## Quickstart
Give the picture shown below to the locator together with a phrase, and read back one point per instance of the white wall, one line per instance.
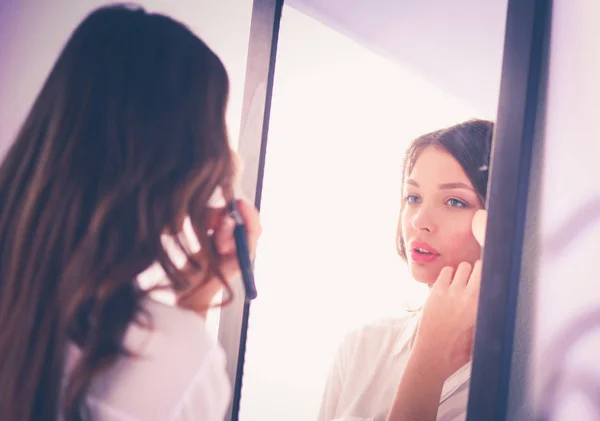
(568, 284)
(32, 33)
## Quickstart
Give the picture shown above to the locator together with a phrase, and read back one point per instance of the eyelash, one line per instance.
(460, 203)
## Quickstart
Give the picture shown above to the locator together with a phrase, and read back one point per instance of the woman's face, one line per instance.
(439, 204)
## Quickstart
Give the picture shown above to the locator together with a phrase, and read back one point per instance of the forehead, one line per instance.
(434, 165)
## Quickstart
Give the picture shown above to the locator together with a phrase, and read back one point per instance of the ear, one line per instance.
(478, 226)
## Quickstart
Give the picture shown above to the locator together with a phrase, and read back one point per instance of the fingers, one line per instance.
(468, 276)
(445, 277)
(221, 227)
(223, 234)
(474, 283)
(461, 277)
(251, 219)
(223, 237)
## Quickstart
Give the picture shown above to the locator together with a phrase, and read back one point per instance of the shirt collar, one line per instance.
(455, 381)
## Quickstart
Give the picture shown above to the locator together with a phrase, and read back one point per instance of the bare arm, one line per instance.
(420, 388)
(442, 345)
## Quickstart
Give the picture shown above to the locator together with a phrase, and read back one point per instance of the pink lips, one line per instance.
(421, 252)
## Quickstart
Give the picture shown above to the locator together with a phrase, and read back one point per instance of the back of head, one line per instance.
(127, 133)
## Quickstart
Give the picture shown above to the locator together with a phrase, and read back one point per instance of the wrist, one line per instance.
(420, 388)
(431, 360)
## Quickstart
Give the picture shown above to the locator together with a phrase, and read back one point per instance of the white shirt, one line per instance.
(365, 375)
(179, 374)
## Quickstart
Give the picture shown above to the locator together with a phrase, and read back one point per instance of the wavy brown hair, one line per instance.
(469, 142)
(127, 134)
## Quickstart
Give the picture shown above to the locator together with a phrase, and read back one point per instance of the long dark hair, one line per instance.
(127, 133)
(469, 143)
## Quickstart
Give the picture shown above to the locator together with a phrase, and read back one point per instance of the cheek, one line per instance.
(461, 245)
(405, 222)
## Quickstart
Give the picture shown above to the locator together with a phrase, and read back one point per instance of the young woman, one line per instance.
(417, 368)
(125, 141)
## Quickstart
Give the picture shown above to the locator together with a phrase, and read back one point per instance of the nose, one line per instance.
(424, 220)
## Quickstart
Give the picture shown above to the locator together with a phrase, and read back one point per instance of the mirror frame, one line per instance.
(523, 69)
(526, 40)
(252, 147)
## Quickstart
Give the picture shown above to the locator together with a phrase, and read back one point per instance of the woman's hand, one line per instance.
(199, 298)
(448, 320)
(444, 339)
(442, 344)
(225, 241)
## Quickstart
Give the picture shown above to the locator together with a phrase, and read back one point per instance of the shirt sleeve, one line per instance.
(208, 396)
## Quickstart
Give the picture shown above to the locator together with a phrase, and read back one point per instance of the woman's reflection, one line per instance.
(417, 367)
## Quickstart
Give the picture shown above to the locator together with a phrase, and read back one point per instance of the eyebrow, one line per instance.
(444, 186)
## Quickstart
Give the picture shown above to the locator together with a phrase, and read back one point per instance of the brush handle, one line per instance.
(243, 252)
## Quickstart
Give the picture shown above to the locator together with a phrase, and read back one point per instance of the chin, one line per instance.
(424, 274)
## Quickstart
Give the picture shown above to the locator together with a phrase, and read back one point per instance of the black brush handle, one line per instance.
(243, 252)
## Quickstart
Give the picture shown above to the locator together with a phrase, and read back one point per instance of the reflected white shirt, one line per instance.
(178, 375)
(365, 375)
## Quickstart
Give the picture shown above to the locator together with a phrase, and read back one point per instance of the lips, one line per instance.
(421, 252)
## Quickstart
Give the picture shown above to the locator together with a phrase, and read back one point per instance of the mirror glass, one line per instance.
(355, 83)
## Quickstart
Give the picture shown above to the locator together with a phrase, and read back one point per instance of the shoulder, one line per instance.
(382, 331)
(375, 341)
(169, 327)
(387, 325)
(177, 369)
(172, 338)
(177, 342)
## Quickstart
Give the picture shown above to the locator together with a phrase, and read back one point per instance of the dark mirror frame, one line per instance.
(525, 42)
(523, 69)
(252, 147)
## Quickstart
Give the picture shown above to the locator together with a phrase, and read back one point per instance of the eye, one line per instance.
(456, 203)
(412, 199)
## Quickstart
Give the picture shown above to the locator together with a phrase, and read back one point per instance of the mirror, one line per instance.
(354, 85)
